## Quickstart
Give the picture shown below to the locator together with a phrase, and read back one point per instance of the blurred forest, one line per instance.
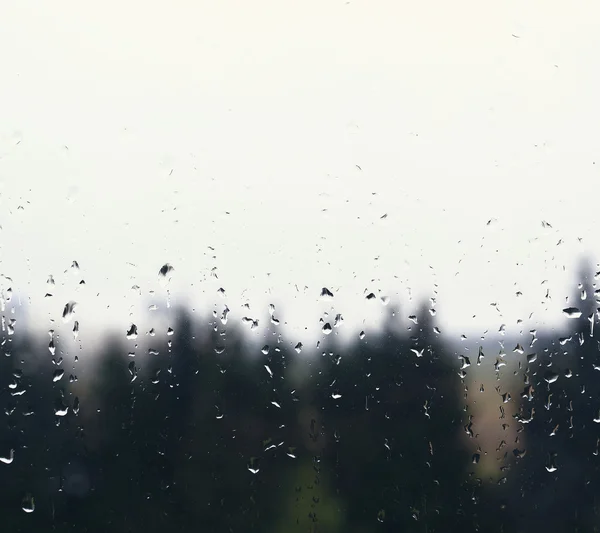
(207, 432)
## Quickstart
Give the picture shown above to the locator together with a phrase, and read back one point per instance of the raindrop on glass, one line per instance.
(132, 332)
(165, 273)
(69, 311)
(28, 503)
(572, 312)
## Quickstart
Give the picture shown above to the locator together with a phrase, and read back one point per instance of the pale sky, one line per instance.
(279, 133)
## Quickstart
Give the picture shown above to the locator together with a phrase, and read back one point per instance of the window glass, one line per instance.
(299, 266)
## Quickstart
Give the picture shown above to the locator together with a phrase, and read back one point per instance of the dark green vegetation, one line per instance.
(363, 438)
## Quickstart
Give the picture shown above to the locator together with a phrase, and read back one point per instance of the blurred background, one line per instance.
(299, 266)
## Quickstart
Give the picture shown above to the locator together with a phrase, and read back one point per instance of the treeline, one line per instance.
(210, 432)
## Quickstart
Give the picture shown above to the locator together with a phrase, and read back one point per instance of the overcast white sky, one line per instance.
(145, 133)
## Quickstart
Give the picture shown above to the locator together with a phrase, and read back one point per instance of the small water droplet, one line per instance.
(326, 329)
(298, 347)
(28, 503)
(132, 332)
(253, 465)
(551, 464)
(326, 294)
(225, 315)
(572, 312)
(8, 459)
(69, 311)
(57, 375)
(418, 353)
(165, 273)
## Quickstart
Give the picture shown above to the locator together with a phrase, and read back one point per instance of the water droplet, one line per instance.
(551, 464)
(466, 362)
(57, 375)
(550, 377)
(298, 347)
(381, 515)
(326, 329)
(326, 294)
(518, 349)
(417, 352)
(165, 273)
(361, 335)
(132, 371)
(336, 395)
(28, 503)
(132, 332)
(265, 349)
(8, 458)
(225, 315)
(170, 332)
(69, 311)
(60, 409)
(572, 312)
(253, 465)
